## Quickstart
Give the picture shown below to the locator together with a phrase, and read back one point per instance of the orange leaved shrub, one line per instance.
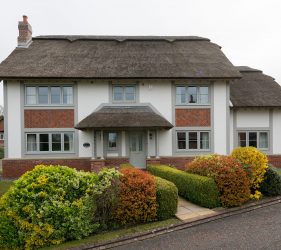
(229, 175)
(137, 197)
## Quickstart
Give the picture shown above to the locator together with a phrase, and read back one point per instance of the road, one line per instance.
(258, 229)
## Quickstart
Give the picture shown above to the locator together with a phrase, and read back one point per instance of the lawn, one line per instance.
(4, 186)
(112, 235)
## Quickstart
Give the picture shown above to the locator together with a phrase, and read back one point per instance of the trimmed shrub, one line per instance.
(198, 189)
(271, 185)
(107, 201)
(167, 198)
(255, 164)
(126, 165)
(137, 199)
(229, 175)
(50, 205)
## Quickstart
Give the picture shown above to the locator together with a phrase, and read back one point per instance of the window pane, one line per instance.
(117, 93)
(204, 140)
(180, 95)
(31, 142)
(68, 142)
(112, 140)
(192, 140)
(192, 94)
(130, 93)
(44, 142)
(181, 140)
(55, 95)
(67, 95)
(43, 95)
(56, 142)
(253, 139)
(204, 95)
(242, 139)
(263, 140)
(30, 95)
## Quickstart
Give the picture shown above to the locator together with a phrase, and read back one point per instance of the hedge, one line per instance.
(167, 198)
(271, 185)
(198, 189)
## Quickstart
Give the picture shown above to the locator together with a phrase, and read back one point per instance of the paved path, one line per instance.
(258, 229)
(189, 211)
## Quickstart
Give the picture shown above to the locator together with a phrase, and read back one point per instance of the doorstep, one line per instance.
(189, 211)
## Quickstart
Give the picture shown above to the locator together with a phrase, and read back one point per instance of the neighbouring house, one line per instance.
(91, 101)
(1, 130)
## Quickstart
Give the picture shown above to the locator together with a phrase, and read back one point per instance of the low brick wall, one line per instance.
(14, 168)
(178, 162)
(275, 160)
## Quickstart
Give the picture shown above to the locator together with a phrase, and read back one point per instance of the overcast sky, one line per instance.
(249, 31)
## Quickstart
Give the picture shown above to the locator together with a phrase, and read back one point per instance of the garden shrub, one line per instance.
(255, 164)
(107, 200)
(229, 175)
(271, 185)
(167, 198)
(137, 197)
(50, 205)
(198, 189)
(126, 165)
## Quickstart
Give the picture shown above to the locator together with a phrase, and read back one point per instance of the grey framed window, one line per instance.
(193, 140)
(49, 142)
(126, 93)
(112, 141)
(188, 95)
(48, 95)
(257, 139)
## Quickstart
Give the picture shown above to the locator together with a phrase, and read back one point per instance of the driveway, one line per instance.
(258, 229)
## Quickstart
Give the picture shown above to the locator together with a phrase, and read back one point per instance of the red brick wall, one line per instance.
(178, 162)
(116, 161)
(49, 118)
(275, 160)
(2, 125)
(15, 168)
(193, 117)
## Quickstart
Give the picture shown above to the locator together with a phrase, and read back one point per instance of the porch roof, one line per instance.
(124, 117)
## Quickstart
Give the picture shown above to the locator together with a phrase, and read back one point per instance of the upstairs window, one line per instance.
(126, 93)
(48, 95)
(187, 95)
(257, 139)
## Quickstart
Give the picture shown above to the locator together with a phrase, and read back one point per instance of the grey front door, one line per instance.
(137, 149)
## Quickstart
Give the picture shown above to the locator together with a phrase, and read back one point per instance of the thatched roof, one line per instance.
(90, 57)
(255, 89)
(124, 117)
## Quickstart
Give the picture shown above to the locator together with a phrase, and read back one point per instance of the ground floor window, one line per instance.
(112, 141)
(1, 136)
(257, 139)
(50, 142)
(193, 140)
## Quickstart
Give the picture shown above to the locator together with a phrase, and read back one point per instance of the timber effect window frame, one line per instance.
(44, 95)
(250, 141)
(123, 93)
(192, 94)
(45, 142)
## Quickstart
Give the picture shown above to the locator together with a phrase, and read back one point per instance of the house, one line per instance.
(94, 101)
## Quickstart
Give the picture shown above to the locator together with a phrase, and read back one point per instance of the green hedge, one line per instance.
(167, 198)
(198, 189)
(271, 185)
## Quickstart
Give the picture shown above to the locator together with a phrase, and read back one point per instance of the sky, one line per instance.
(249, 31)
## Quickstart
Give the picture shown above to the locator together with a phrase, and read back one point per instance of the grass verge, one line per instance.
(4, 186)
(112, 235)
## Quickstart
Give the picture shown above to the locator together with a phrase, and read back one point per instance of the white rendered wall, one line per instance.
(250, 118)
(158, 93)
(90, 96)
(276, 126)
(231, 131)
(13, 103)
(221, 106)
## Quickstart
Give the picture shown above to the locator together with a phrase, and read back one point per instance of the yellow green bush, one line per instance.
(255, 164)
(48, 205)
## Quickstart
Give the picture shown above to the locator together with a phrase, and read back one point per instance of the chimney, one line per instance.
(25, 33)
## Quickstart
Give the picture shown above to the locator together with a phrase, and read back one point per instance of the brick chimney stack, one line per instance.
(25, 33)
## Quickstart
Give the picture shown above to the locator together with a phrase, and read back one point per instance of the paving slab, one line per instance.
(187, 210)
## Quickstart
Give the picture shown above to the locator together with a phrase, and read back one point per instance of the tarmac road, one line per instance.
(258, 229)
